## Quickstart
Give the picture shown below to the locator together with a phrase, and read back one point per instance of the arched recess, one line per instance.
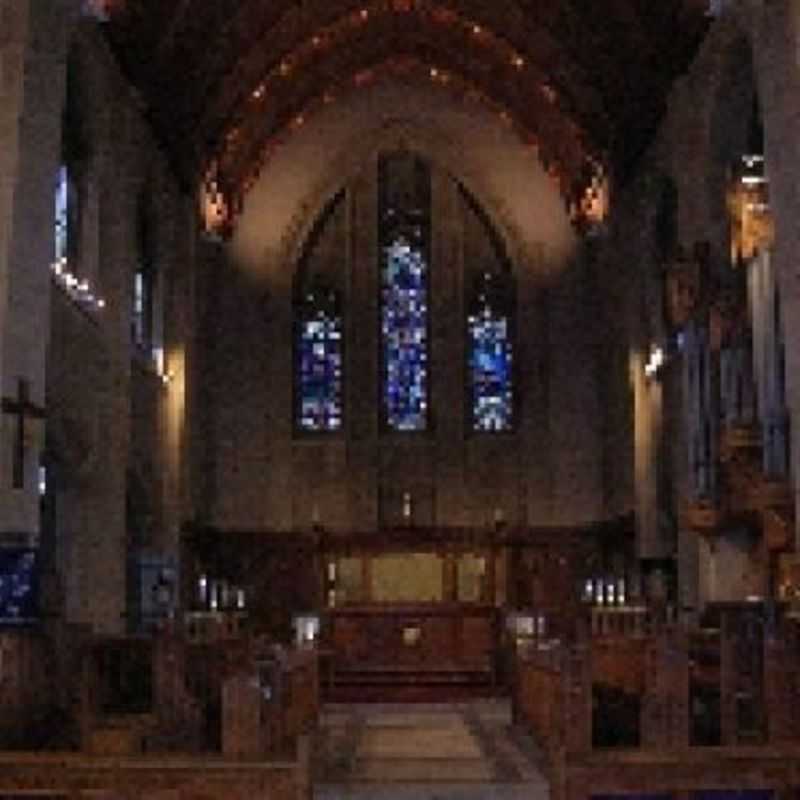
(270, 92)
(470, 143)
(467, 242)
(339, 148)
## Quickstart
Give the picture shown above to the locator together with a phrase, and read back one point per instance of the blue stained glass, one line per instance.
(490, 365)
(61, 215)
(320, 373)
(405, 336)
(17, 585)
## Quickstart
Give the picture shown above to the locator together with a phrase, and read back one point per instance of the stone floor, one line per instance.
(457, 751)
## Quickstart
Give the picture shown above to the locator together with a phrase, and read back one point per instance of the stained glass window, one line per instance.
(405, 219)
(144, 279)
(17, 585)
(62, 215)
(319, 346)
(490, 361)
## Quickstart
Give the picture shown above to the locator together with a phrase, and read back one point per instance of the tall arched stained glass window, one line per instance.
(62, 199)
(404, 213)
(319, 362)
(491, 355)
(143, 298)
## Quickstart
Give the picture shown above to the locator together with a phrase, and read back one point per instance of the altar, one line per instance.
(405, 652)
(401, 614)
(411, 619)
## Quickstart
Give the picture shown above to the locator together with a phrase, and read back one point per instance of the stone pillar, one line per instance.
(362, 394)
(33, 43)
(647, 426)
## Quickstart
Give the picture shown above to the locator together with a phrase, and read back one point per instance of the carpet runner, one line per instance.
(431, 752)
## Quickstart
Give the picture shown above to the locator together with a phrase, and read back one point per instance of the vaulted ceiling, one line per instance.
(583, 80)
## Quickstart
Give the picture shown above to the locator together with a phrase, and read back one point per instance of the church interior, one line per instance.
(446, 352)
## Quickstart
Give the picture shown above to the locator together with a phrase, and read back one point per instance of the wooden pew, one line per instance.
(26, 686)
(639, 685)
(551, 698)
(136, 697)
(269, 705)
(550, 695)
(618, 688)
(171, 777)
(537, 699)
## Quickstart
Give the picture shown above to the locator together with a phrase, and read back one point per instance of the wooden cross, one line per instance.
(21, 407)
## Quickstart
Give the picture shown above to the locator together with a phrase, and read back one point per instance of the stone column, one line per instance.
(647, 427)
(33, 43)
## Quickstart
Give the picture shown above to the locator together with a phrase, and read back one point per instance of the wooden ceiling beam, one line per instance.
(267, 54)
(557, 136)
(611, 63)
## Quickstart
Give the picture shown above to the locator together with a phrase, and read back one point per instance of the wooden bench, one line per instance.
(70, 775)
(268, 708)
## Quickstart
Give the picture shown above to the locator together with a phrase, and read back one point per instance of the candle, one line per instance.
(202, 590)
(406, 505)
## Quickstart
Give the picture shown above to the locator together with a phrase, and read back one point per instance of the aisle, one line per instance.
(459, 751)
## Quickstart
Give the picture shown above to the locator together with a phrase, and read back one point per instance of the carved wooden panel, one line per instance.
(415, 639)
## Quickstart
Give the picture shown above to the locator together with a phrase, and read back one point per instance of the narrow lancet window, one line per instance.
(404, 246)
(319, 362)
(144, 282)
(62, 216)
(490, 343)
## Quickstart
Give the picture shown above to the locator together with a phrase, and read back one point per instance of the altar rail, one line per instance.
(161, 695)
(678, 773)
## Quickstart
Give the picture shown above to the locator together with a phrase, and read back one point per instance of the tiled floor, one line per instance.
(462, 751)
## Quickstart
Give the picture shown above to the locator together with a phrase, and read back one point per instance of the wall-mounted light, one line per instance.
(215, 206)
(202, 590)
(159, 364)
(655, 361)
(79, 290)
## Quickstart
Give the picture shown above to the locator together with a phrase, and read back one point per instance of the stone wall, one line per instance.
(548, 471)
(32, 55)
(115, 432)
